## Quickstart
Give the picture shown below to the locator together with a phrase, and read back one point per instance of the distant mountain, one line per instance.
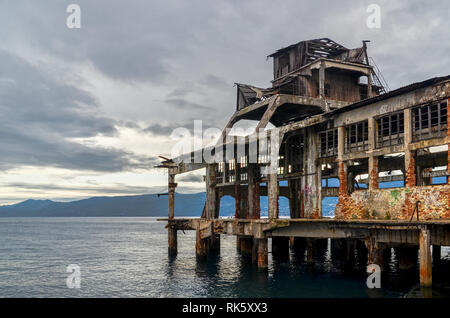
(139, 205)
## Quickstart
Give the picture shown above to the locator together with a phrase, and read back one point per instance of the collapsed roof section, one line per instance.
(308, 51)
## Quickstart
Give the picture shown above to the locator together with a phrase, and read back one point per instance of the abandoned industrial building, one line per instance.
(342, 134)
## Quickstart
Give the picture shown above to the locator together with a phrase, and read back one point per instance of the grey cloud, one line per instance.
(181, 103)
(160, 130)
(191, 178)
(38, 115)
(167, 129)
(215, 82)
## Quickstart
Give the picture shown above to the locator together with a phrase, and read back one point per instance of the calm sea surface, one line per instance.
(127, 257)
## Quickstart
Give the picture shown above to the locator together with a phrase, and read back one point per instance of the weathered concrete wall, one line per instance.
(396, 203)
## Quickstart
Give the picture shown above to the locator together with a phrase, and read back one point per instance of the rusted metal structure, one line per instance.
(335, 120)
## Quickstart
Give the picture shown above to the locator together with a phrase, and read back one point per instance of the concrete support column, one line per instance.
(171, 188)
(407, 257)
(361, 252)
(294, 202)
(214, 244)
(201, 246)
(369, 86)
(410, 177)
(211, 192)
(322, 80)
(342, 166)
(343, 189)
(272, 194)
(261, 253)
(373, 160)
(448, 138)
(410, 167)
(425, 259)
(318, 210)
(375, 253)
(309, 250)
(313, 186)
(297, 243)
(253, 191)
(171, 230)
(246, 245)
(173, 241)
(373, 173)
(237, 202)
(338, 248)
(280, 248)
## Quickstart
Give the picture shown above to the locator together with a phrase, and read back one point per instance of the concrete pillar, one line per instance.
(373, 160)
(201, 246)
(369, 86)
(448, 135)
(361, 251)
(309, 250)
(214, 244)
(294, 202)
(410, 177)
(375, 253)
(373, 173)
(343, 189)
(342, 166)
(261, 251)
(425, 259)
(272, 194)
(313, 186)
(322, 80)
(238, 243)
(172, 232)
(171, 188)
(318, 181)
(436, 254)
(407, 257)
(237, 202)
(338, 249)
(350, 182)
(297, 243)
(246, 245)
(211, 192)
(253, 191)
(410, 167)
(280, 248)
(341, 143)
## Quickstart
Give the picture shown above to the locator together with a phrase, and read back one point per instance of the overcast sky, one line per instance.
(85, 112)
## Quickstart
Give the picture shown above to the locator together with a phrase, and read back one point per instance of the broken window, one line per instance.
(220, 168)
(283, 65)
(357, 137)
(390, 130)
(429, 121)
(363, 92)
(294, 153)
(328, 143)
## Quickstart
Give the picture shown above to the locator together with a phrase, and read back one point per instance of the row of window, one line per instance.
(428, 121)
